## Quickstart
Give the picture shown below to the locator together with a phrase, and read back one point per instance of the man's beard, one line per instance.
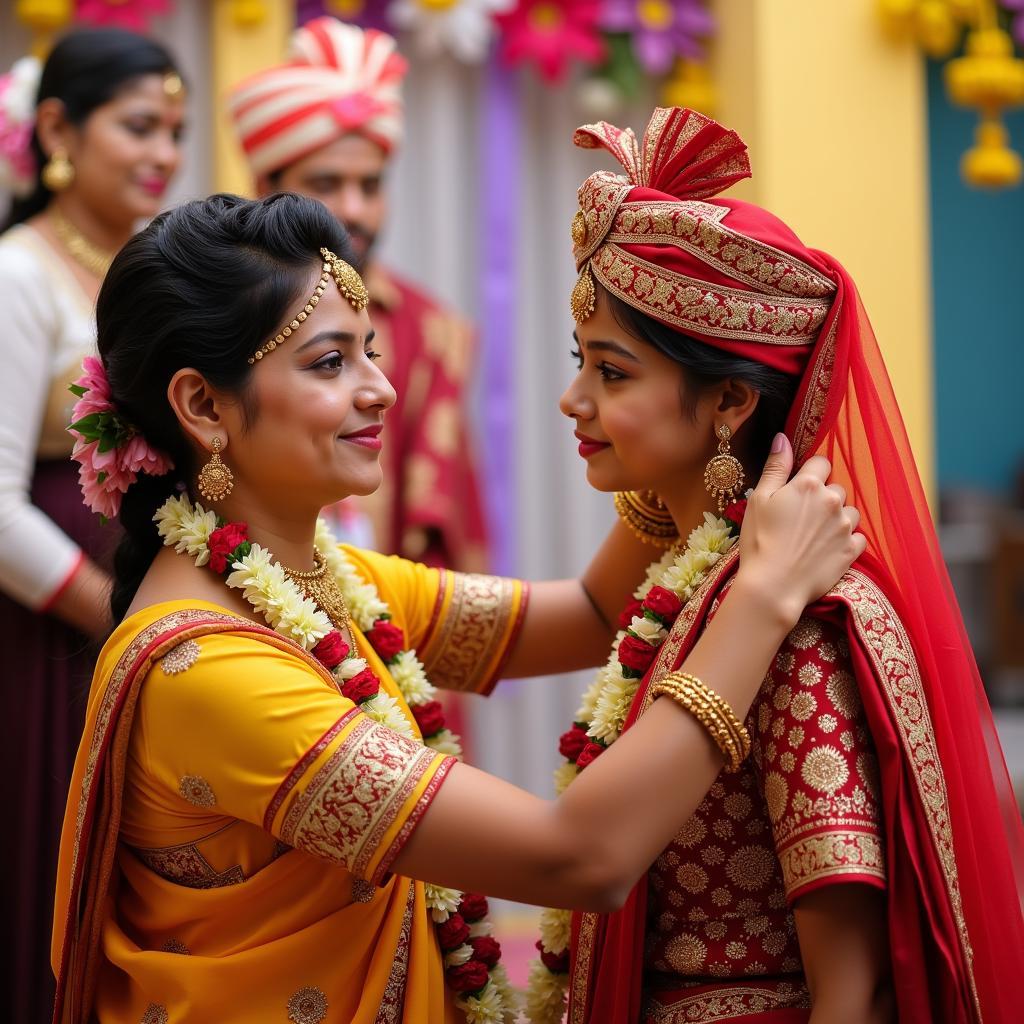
(362, 244)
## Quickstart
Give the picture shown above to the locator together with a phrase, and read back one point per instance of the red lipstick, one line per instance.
(367, 437)
(588, 446)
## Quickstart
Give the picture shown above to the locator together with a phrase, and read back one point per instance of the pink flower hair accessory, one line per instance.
(109, 449)
(18, 88)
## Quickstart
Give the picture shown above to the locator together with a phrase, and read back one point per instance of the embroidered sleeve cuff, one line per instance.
(475, 627)
(831, 858)
(361, 797)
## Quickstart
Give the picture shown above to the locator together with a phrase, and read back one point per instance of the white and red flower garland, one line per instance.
(644, 625)
(471, 954)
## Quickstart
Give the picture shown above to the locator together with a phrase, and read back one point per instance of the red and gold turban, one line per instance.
(724, 271)
(340, 79)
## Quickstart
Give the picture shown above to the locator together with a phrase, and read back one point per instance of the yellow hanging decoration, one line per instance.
(689, 85)
(989, 78)
(249, 13)
(43, 17)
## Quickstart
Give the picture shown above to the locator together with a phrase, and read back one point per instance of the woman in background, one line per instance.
(101, 148)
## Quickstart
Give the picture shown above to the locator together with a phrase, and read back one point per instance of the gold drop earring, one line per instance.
(723, 476)
(216, 481)
(58, 172)
(645, 514)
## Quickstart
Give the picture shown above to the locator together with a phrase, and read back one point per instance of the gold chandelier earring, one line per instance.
(645, 514)
(58, 172)
(215, 479)
(723, 476)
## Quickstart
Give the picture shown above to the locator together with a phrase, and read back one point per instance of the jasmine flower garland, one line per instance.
(668, 584)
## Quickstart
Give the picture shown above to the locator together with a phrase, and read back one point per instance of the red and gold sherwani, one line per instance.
(800, 813)
(429, 506)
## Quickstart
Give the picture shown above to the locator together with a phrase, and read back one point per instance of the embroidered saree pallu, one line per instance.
(233, 818)
(875, 759)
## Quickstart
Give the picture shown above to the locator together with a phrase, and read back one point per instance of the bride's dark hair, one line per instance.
(204, 286)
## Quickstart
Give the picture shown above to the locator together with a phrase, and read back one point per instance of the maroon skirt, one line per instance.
(45, 668)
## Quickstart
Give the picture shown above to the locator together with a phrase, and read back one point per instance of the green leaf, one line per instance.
(100, 477)
(77, 390)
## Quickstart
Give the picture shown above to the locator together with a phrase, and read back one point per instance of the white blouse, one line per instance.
(46, 328)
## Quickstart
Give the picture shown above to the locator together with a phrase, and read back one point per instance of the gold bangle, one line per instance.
(712, 711)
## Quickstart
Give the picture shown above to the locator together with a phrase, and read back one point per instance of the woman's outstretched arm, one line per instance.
(589, 847)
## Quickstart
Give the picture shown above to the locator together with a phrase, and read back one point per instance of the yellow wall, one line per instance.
(240, 49)
(836, 119)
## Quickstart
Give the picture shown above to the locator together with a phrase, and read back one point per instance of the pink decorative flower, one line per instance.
(661, 30)
(107, 447)
(130, 14)
(551, 32)
(17, 115)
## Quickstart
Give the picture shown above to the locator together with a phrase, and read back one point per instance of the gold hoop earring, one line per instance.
(215, 479)
(58, 172)
(723, 476)
(645, 514)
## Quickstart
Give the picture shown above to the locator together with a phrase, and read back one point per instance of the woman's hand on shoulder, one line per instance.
(798, 537)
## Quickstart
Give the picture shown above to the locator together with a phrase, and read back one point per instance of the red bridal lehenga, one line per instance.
(875, 760)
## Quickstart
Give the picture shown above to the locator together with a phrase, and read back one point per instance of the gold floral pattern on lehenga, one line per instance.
(393, 1001)
(308, 1006)
(181, 658)
(742, 1001)
(185, 865)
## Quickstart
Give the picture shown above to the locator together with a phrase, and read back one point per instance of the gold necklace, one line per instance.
(322, 588)
(96, 260)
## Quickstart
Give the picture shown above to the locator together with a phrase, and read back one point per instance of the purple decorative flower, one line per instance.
(661, 29)
(364, 13)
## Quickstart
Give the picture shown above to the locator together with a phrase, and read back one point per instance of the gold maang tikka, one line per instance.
(349, 283)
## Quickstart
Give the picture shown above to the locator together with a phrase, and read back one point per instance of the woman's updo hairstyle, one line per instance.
(704, 366)
(85, 70)
(204, 286)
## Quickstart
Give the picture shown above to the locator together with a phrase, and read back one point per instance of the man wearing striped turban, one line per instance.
(326, 124)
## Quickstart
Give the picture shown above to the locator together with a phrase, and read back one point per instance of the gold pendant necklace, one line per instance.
(97, 261)
(320, 586)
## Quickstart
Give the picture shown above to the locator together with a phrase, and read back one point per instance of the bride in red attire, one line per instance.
(863, 864)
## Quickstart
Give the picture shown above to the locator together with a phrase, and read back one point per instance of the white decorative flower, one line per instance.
(365, 605)
(441, 902)
(185, 528)
(457, 957)
(612, 708)
(500, 980)
(462, 27)
(18, 100)
(649, 630)
(480, 928)
(445, 742)
(349, 668)
(545, 995)
(555, 929)
(486, 1007)
(408, 674)
(384, 709)
(565, 774)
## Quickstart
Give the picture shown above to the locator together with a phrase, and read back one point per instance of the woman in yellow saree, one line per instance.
(265, 771)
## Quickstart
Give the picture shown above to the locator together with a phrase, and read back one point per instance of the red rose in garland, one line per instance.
(429, 717)
(557, 963)
(627, 614)
(486, 949)
(473, 906)
(332, 650)
(571, 743)
(452, 933)
(387, 640)
(361, 687)
(223, 541)
(636, 654)
(590, 752)
(735, 512)
(663, 603)
(468, 977)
